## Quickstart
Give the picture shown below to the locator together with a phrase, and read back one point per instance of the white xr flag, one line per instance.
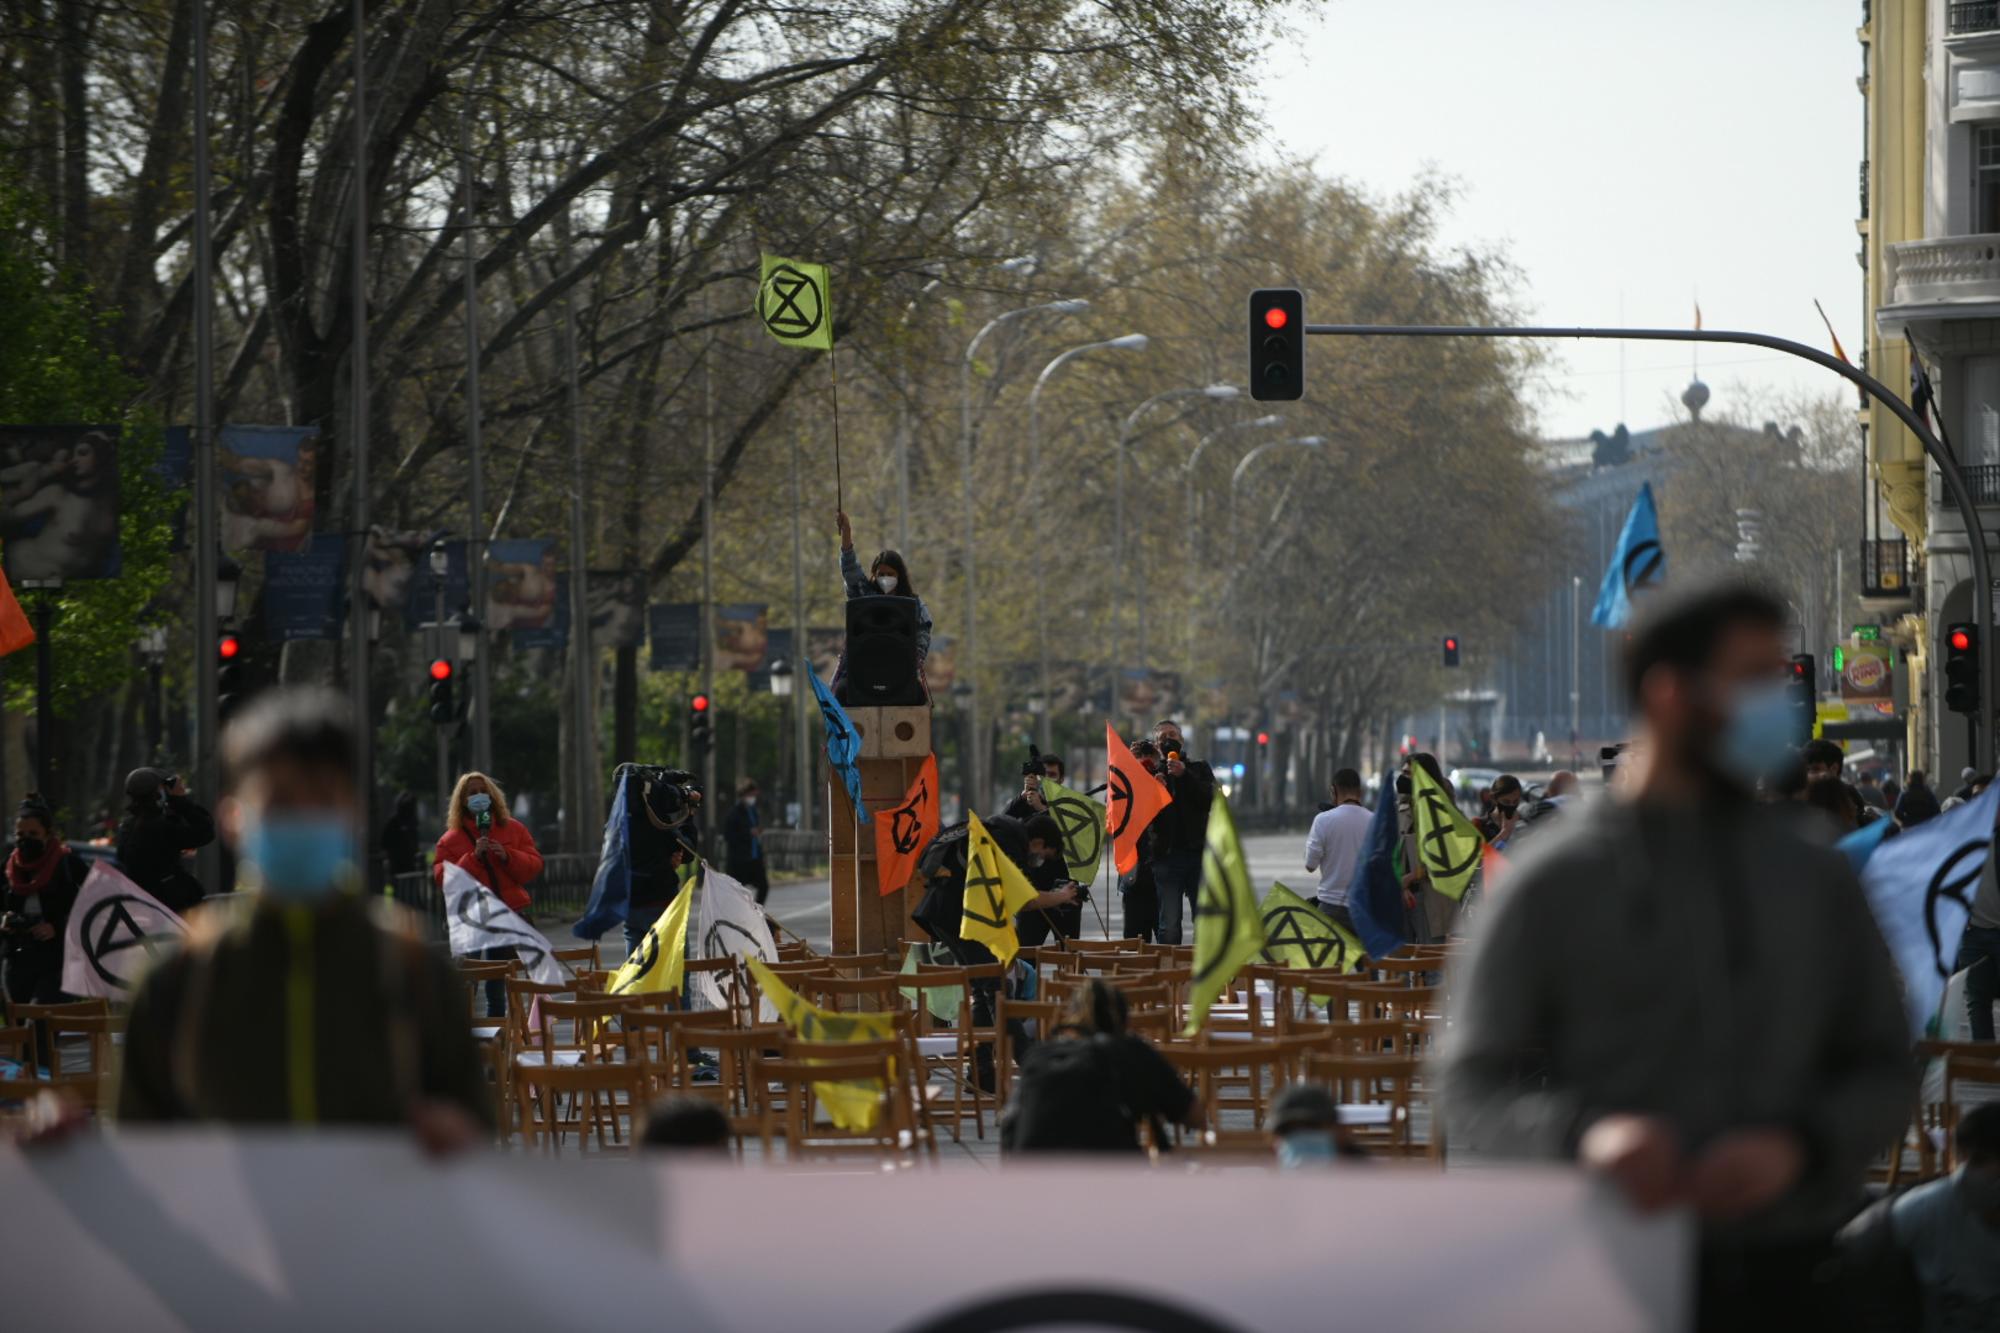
(477, 920)
(730, 925)
(116, 929)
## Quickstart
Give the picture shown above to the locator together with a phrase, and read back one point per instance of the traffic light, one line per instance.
(1277, 344)
(1451, 650)
(1802, 692)
(229, 682)
(1961, 668)
(442, 710)
(1263, 738)
(700, 726)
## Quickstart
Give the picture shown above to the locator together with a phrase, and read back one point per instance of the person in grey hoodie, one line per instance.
(1681, 994)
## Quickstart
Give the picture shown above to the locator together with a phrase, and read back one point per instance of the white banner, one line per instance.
(476, 919)
(729, 925)
(196, 1229)
(115, 931)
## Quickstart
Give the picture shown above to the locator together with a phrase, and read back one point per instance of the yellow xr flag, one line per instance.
(1228, 930)
(1447, 844)
(1298, 934)
(795, 303)
(995, 889)
(850, 1105)
(1082, 823)
(660, 962)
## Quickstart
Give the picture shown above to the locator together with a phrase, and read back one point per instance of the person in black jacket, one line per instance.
(402, 844)
(42, 877)
(160, 823)
(1181, 830)
(743, 845)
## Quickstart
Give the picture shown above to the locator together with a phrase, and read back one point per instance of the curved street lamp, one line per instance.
(1236, 477)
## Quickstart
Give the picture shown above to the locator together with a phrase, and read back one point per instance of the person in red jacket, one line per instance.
(482, 839)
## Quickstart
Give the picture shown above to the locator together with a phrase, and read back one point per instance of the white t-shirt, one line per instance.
(1333, 846)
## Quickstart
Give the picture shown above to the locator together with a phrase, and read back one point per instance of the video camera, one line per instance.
(670, 796)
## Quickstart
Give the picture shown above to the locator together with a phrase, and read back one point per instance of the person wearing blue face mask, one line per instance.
(1684, 995)
(1305, 1129)
(309, 1003)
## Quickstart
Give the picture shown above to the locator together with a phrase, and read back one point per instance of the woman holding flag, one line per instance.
(483, 840)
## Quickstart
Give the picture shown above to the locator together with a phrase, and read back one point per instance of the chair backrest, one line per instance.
(35, 1013)
(590, 1021)
(18, 1044)
(593, 1080)
(583, 955)
(1212, 1067)
(522, 995)
(1377, 1079)
(1043, 1013)
(881, 992)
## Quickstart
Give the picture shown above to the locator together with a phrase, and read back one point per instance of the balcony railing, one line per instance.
(1984, 483)
(1973, 16)
(1944, 269)
(1885, 567)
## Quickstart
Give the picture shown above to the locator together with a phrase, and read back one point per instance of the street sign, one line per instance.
(1867, 633)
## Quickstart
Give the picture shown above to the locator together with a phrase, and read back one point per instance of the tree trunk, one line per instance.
(72, 54)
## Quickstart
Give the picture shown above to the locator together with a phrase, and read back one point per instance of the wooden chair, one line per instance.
(944, 1043)
(1391, 1080)
(794, 951)
(38, 1015)
(1258, 1067)
(583, 956)
(1975, 1071)
(522, 1047)
(598, 1084)
(1044, 1014)
(869, 1068)
(742, 1084)
(18, 1044)
(1409, 971)
(728, 975)
(93, 1034)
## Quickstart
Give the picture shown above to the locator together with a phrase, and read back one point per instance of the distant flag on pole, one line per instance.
(1838, 350)
(1447, 843)
(795, 303)
(1082, 823)
(15, 631)
(843, 742)
(1697, 317)
(1637, 564)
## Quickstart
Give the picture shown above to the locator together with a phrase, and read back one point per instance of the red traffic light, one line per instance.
(699, 703)
(440, 669)
(1263, 738)
(1451, 645)
(228, 647)
(1960, 640)
(1276, 318)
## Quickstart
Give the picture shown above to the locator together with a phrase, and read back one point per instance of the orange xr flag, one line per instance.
(902, 834)
(1134, 798)
(15, 631)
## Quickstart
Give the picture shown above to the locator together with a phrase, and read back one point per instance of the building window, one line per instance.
(1986, 179)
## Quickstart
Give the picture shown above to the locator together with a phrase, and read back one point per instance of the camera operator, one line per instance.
(1058, 907)
(664, 805)
(1181, 830)
(1036, 767)
(160, 823)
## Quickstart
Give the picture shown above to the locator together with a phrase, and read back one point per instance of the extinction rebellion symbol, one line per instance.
(789, 303)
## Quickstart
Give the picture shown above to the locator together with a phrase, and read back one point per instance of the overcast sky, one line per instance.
(1647, 154)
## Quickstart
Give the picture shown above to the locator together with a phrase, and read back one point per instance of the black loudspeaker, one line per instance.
(882, 653)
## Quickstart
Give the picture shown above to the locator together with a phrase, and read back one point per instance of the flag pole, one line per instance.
(833, 374)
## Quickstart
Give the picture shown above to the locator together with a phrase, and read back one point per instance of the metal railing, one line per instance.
(1984, 483)
(1885, 567)
(1973, 16)
(563, 887)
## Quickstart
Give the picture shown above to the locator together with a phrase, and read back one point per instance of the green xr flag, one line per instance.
(1297, 934)
(1228, 930)
(795, 303)
(1082, 823)
(1447, 843)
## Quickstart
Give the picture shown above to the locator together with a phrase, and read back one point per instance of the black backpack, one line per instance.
(1067, 1099)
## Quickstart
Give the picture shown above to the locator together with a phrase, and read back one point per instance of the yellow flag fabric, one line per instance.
(795, 303)
(1082, 823)
(660, 962)
(1228, 929)
(1298, 934)
(849, 1105)
(1447, 843)
(995, 889)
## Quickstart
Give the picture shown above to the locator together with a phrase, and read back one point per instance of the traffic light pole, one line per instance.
(1947, 466)
(204, 774)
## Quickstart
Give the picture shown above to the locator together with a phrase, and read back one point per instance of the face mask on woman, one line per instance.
(31, 849)
(479, 803)
(1307, 1148)
(300, 857)
(886, 582)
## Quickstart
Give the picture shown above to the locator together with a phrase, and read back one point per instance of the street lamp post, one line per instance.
(976, 769)
(1214, 392)
(475, 548)
(780, 672)
(1187, 488)
(440, 565)
(153, 647)
(1575, 668)
(1236, 477)
(1130, 342)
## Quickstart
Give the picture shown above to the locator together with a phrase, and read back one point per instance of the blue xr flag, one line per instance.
(611, 889)
(843, 742)
(1920, 885)
(1376, 899)
(1637, 564)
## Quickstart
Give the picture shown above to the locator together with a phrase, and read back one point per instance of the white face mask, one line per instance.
(886, 582)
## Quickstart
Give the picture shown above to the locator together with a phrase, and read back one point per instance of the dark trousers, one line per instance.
(1769, 1285)
(1176, 875)
(33, 975)
(496, 991)
(638, 921)
(752, 874)
(1336, 913)
(1979, 951)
